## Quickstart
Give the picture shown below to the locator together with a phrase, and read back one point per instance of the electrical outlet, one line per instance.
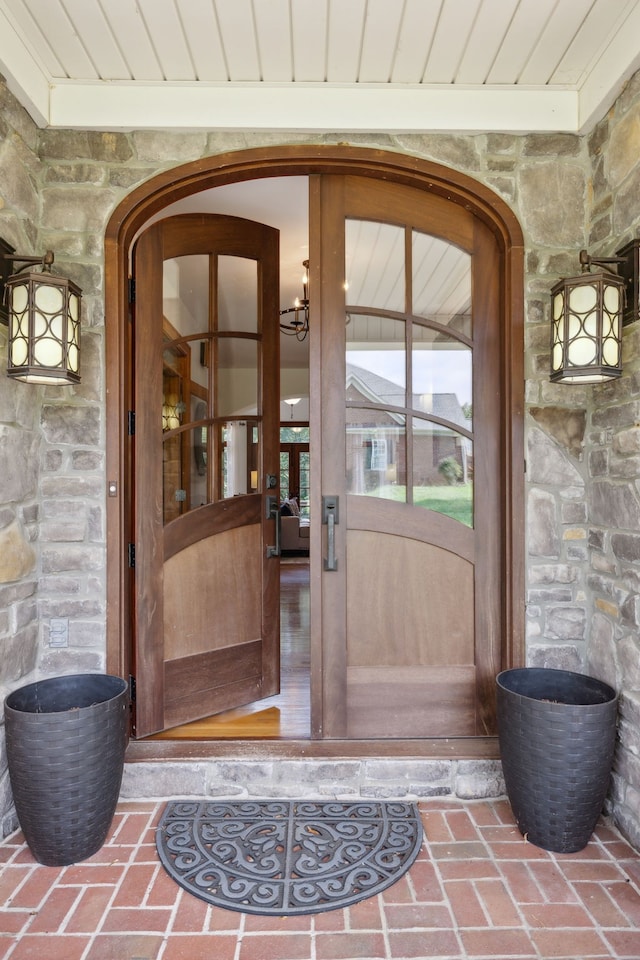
(59, 632)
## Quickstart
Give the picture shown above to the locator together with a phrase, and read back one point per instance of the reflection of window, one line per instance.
(379, 454)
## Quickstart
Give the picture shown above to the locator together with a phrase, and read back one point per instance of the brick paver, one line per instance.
(478, 890)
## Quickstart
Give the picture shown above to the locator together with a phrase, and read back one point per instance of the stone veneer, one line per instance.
(612, 464)
(58, 189)
(312, 779)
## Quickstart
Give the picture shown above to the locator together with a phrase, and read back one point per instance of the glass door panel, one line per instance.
(185, 307)
(375, 275)
(199, 453)
(376, 454)
(408, 383)
(441, 365)
(442, 455)
(442, 470)
(175, 455)
(237, 377)
(237, 294)
(210, 415)
(441, 282)
(185, 293)
(376, 359)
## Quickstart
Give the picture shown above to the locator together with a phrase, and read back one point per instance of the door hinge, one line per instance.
(132, 688)
(131, 422)
(131, 554)
(132, 290)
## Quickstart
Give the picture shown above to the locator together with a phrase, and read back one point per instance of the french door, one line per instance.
(406, 463)
(206, 606)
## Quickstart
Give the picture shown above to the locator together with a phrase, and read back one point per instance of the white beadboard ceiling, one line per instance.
(319, 65)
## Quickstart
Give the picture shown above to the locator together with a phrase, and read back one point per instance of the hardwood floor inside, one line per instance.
(287, 715)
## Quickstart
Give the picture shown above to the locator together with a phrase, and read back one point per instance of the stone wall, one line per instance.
(567, 192)
(52, 536)
(20, 438)
(612, 450)
(547, 181)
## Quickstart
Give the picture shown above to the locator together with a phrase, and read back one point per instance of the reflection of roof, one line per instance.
(380, 390)
(375, 388)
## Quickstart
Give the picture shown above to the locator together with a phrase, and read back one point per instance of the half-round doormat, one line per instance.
(286, 857)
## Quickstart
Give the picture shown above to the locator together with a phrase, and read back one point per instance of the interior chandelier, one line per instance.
(298, 326)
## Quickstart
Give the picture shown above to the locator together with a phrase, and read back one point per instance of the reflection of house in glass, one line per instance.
(387, 440)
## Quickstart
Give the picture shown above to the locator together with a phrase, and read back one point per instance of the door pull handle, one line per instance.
(273, 512)
(330, 517)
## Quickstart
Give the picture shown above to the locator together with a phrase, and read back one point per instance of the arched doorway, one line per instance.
(347, 188)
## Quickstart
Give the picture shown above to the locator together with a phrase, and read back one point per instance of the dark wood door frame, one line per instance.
(171, 185)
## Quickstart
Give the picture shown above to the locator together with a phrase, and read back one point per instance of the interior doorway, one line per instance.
(385, 469)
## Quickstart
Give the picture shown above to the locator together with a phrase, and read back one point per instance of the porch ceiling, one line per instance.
(319, 65)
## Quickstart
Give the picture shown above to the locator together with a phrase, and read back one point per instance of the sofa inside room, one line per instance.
(294, 532)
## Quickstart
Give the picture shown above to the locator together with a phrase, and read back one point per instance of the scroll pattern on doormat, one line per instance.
(286, 857)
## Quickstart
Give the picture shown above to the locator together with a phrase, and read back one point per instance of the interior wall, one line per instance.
(59, 188)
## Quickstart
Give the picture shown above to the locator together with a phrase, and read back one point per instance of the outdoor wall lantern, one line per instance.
(42, 311)
(586, 323)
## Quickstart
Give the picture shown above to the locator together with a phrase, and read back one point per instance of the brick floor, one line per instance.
(477, 891)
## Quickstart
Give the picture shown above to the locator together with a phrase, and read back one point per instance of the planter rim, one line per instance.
(551, 674)
(21, 700)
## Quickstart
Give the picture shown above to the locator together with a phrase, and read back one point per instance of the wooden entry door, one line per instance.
(206, 461)
(407, 421)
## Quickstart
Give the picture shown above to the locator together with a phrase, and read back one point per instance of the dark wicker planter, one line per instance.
(66, 739)
(557, 733)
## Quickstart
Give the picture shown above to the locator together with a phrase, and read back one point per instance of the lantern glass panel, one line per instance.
(40, 325)
(591, 325)
(57, 327)
(611, 299)
(557, 356)
(47, 352)
(610, 352)
(583, 298)
(558, 305)
(19, 298)
(19, 351)
(48, 299)
(581, 352)
(574, 326)
(74, 358)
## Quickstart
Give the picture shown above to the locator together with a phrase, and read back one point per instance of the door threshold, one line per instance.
(451, 748)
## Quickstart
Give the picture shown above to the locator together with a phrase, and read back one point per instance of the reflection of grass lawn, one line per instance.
(456, 501)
